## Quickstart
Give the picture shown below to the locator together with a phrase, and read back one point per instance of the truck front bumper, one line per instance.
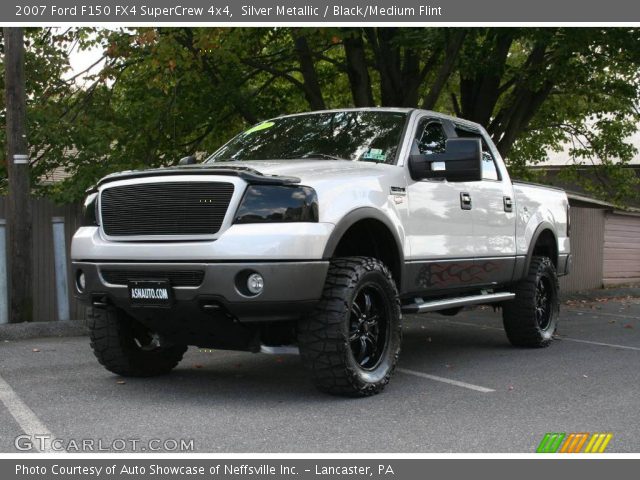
(291, 288)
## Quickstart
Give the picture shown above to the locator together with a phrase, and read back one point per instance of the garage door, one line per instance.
(621, 249)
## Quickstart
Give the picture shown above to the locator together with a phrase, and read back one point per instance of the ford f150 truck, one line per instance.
(314, 233)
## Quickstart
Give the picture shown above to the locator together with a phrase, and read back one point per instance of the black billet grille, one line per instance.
(177, 278)
(165, 208)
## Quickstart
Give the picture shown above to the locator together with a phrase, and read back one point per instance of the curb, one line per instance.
(23, 331)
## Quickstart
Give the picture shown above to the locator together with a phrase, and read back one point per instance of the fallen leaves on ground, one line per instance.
(591, 303)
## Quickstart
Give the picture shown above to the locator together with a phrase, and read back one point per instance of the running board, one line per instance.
(434, 306)
(281, 350)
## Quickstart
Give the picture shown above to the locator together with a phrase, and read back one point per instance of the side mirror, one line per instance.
(190, 160)
(461, 162)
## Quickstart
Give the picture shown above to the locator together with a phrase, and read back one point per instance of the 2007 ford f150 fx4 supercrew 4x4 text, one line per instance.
(317, 231)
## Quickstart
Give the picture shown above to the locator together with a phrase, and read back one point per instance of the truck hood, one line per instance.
(309, 170)
(262, 171)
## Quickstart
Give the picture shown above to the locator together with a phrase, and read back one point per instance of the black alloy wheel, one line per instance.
(369, 326)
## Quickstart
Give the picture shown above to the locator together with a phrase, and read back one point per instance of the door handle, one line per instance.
(508, 204)
(465, 201)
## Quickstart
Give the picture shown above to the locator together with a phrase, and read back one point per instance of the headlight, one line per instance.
(278, 203)
(89, 210)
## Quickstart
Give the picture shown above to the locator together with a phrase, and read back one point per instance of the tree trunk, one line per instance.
(527, 107)
(357, 70)
(312, 91)
(523, 102)
(452, 51)
(388, 65)
(479, 93)
(19, 208)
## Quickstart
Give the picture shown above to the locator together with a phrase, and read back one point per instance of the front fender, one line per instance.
(363, 213)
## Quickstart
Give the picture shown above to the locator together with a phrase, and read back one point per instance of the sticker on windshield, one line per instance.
(260, 126)
(376, 154)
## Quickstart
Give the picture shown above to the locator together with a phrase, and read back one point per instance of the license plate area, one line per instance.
(150, 293)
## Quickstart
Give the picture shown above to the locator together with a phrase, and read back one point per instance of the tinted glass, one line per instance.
(294, 204)
(489, 170)
(356, 135)
(430, 138)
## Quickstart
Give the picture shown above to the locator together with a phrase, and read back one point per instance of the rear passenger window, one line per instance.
(430, 137)
(489, 169)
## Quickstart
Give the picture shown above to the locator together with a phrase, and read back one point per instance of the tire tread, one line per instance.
(323, 347)
(111, 339)
(518, 318)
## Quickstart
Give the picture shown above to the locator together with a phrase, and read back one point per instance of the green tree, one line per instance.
(534, 89)
(163, 93)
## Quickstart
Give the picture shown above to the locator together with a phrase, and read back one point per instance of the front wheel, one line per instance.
(351, 342)
(126, 347)
(531, 319)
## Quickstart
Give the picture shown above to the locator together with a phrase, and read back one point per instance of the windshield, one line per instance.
(371, 136)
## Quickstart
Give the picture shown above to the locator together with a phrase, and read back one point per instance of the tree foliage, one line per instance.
(163, 93)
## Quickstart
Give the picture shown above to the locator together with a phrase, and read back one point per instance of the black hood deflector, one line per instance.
(249, 175)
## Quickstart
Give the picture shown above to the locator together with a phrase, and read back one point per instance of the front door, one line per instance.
(440, 225)
(494, 224)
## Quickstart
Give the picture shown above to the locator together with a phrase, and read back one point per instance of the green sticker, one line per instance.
(375, 154)
(260, 126)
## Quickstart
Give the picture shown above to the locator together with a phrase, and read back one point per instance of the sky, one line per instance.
(563, 157)
(82, 59)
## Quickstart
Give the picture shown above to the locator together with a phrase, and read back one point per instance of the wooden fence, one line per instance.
(44, 292)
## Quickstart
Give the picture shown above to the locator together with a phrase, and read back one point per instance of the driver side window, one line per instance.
(489, 168)
(430, 137)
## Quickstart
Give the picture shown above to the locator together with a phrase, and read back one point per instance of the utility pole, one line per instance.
(19, 254)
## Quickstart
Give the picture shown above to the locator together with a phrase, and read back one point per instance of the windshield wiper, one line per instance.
(320, 156)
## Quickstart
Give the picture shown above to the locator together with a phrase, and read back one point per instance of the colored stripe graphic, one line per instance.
(606, 441)
(550, 443)
(580, 443)
(573, 442)
(570, 443)
(598, 443)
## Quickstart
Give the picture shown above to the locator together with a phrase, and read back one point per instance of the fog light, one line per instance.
(255, 283)
(81, 281)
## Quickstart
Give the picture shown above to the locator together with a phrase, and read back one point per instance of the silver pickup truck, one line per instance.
(315, 233)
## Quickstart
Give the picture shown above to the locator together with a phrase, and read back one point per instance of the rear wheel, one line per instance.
(531, 319)
(351, 342)
(126, 347)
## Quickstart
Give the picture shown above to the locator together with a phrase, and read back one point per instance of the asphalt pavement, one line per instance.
(460, 388)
